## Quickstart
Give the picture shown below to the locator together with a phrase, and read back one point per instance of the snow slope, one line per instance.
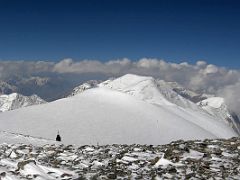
(15, 101)
(14, 138)
(130, 109)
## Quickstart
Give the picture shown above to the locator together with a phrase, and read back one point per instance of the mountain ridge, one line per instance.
(126, 110)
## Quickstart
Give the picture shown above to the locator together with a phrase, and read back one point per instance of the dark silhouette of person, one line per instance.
(58, 138)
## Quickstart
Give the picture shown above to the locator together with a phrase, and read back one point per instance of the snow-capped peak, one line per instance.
(15, 101)
(141, 87)
(148, 89)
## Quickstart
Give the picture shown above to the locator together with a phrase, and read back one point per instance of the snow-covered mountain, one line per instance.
(168, 88)
(15, 101)
(129, 109)
(148, 89)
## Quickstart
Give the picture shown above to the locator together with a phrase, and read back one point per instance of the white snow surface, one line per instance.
(14, 138)
(127, 110)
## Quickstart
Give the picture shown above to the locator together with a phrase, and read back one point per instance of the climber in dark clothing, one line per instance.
(58, 138)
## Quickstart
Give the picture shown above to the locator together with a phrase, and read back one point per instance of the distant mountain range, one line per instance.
(48, 88)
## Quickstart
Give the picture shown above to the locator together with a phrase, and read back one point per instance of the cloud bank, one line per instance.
(201, 77)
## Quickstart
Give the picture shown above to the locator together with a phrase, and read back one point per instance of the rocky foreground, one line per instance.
(208, 159)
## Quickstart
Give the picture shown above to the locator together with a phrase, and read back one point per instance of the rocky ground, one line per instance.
(208, 159)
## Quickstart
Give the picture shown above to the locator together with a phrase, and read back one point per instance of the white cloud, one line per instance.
(210, 69)
(9, 68)
(231, 95)
(201, 63)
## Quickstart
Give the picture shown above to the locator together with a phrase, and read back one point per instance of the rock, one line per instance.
(65, 175)
(154, 161)
(112, 176)
(21, 164)
(171, 169)
(190, 175)
(3, 174)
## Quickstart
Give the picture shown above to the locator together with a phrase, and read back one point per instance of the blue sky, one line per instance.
(109, 29)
